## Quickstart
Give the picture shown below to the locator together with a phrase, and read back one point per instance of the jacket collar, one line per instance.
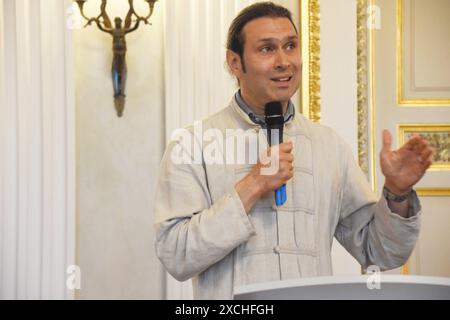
(296, 124)
(258, 119)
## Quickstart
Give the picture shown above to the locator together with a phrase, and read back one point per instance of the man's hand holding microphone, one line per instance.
(274, 168)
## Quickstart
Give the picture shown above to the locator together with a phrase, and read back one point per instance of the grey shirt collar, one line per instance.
(290, 112)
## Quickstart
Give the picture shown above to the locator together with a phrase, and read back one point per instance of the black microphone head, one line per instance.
(273, 109)
(274, 113)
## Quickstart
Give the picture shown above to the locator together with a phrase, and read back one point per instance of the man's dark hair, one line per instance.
(236, 40)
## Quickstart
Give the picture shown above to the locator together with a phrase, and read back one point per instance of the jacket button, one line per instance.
(276, 249)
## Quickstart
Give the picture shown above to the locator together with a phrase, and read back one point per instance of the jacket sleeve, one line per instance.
(192, 233)
(367, 228)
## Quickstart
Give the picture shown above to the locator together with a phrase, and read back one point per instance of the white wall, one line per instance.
(339, 91)
(117, 161)
(338, 68)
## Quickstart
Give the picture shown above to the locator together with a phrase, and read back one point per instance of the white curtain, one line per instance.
(37, 147)
(197, 82)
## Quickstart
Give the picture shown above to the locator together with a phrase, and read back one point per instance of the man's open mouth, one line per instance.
(283, 79)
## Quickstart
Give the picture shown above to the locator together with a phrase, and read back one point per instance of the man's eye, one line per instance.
(266, 49)
(291, 46)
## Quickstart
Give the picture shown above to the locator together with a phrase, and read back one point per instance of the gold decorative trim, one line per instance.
(361, 47)
(433, 192)
(310, 94)
(405, 269)
(403, 129)
(314, 61)
(372, 102)
(304, 56)
(401, 100)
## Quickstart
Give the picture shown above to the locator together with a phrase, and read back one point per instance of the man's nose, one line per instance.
(281, 60)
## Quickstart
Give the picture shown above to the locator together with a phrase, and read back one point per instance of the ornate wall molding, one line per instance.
(314, 60)
(362, 82)
(402, 99)
(438, 135)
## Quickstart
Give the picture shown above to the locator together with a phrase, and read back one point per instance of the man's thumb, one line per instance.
(387, 140)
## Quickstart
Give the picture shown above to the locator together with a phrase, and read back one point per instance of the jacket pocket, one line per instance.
(302, 190)
(305, 231)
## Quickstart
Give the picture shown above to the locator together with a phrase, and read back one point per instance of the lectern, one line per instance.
(368, 287)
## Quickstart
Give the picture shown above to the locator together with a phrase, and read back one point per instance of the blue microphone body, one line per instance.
(280, 195)
(275, 123)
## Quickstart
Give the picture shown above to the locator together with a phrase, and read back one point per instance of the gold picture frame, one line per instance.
(433, 192)
(439, 137)
(309, 33)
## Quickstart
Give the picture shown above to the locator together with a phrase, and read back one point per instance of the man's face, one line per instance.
(272, 62)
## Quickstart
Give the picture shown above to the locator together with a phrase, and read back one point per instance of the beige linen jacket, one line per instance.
(204, 233)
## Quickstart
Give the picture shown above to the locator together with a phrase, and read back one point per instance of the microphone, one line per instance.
(275, 122)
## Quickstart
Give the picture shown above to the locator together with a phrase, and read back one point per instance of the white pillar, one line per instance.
(37, 147)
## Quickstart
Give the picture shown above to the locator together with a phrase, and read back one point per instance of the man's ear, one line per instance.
(234, 63)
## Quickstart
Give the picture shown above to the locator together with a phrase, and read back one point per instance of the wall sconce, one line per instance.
(118, 32)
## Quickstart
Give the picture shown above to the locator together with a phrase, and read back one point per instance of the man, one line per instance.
(218, 224)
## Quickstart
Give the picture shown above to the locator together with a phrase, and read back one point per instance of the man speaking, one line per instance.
(218, 222)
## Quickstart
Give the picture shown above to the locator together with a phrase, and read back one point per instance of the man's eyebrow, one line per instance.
(290, 38)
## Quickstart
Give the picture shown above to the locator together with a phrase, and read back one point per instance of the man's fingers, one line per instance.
(286, 146)
(429, 161)
(289, 157)
(425, 154)
(279, 152)
(387, 140)
(281, 148)
(422, 146)
(426, 162)
(413, 143)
